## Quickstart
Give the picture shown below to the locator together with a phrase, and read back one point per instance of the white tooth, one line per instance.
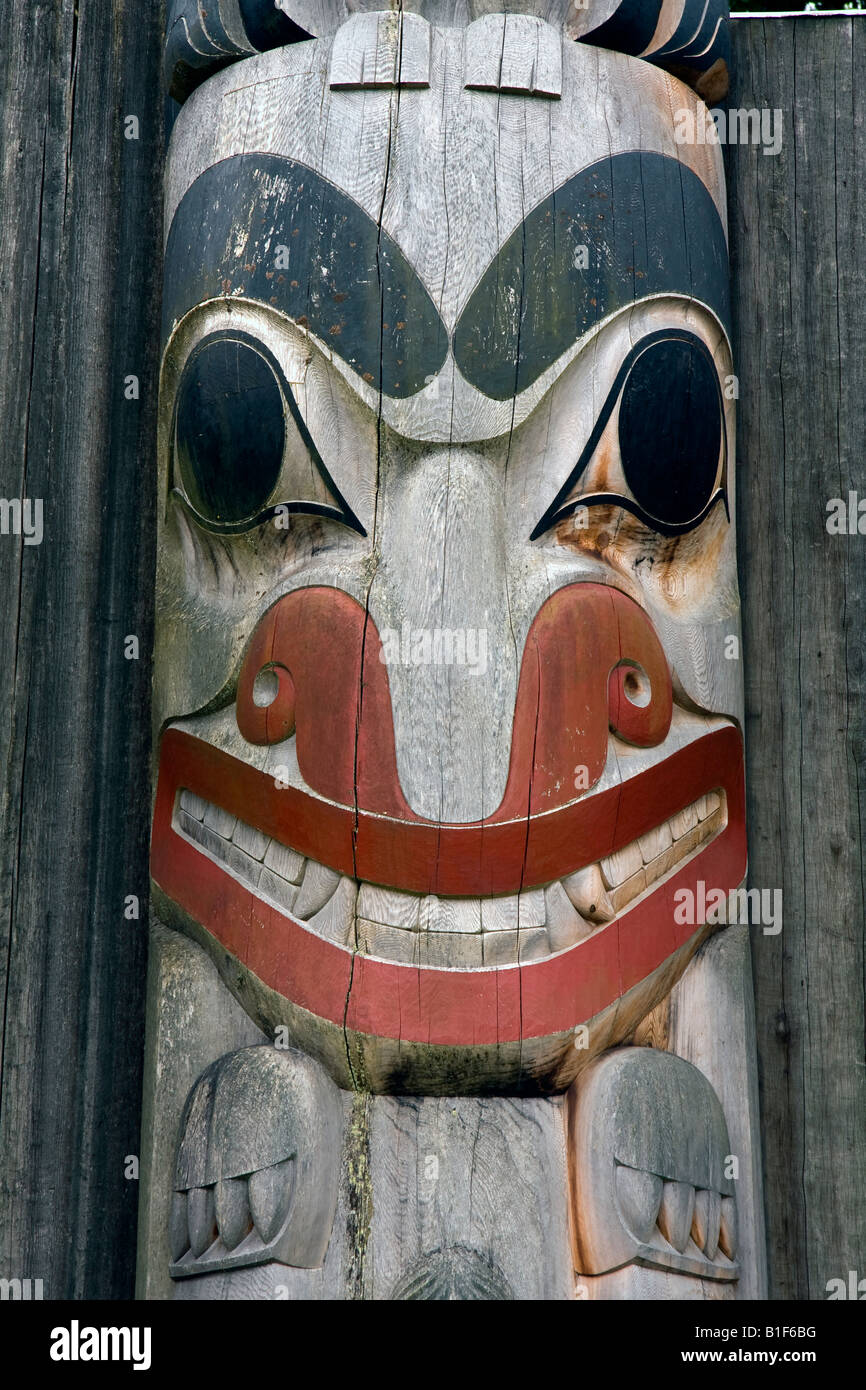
(459, 950)
(282, 892)
(639, 1195)
(530, 908)
(285, 862)
(684, 821)
(250, 840)
(626, 893)
(319, 884)
(220, 821)
(190, 826)
(336, 920)
(500, 947)
(499, 914)
(655, 842)
(533, 943)
(223, 851)
(668, 860)
(707, 805)
(565, 925)
(192, 804)
(587, 891)
(616, 868)
(389, 906)
(461, 915)
(388, 943)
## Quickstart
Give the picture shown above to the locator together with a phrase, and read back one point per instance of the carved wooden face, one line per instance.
(447, 680)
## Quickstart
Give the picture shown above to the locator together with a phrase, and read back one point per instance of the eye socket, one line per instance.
(230, 430)
(670, 430)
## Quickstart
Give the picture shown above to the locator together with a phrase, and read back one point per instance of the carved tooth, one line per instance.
(196, 806)
(220, 821)
(639, 1196)
(533, 943)
(388, 943)
(675, 1213)
(201, 1219)
(336, 920)
(512, 910)
(270, 1192)
(500, 947)
(253, 842)
(285, 862)
(565, 925)
(683, 821)
(705, 1222)
(461, 915)
(626, 893)
(318, 885)
(458, 950)
(587, 891)
(616, 868)
(499, 913)
(232, 1211)
(282, 892)
(707, 804)
(389, 906)
(178, 1229)
(531, 910)
(728, 1232)
(655, 842)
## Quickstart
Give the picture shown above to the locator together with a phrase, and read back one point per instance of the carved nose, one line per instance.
(592, 664)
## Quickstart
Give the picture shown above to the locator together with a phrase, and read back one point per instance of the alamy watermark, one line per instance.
(439, 646)
(738, 126)
(22, 516)
(741, 906)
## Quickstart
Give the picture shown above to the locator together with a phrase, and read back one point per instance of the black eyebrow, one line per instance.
(648, 225)
(346, 278)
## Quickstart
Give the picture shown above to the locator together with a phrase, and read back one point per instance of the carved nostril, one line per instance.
(266, 687)
(266, 700)
(636, 687)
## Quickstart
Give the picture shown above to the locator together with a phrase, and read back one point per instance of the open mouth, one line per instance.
(448, 935)
(452, 932)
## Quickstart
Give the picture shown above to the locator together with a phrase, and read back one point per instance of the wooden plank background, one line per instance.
(798, 234)
(80, 292)
(80, 266)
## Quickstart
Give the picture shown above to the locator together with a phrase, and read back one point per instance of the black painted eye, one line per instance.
(230, 430)
(670, 430)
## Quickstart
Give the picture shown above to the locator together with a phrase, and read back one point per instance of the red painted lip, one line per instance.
(480, 859)
(436, 1005)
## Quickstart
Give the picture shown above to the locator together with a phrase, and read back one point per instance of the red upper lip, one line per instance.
(475, 860)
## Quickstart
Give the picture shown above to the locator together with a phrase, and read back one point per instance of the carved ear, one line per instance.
(257, 1167)
(688, 38)
(202, 36)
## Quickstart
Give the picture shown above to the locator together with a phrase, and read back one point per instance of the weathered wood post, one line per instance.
(448, 706)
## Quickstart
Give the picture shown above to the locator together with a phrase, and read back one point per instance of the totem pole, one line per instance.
(449, 795)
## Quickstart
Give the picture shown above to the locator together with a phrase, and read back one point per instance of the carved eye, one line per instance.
(670, 431)
(230, 430)
(672, 440)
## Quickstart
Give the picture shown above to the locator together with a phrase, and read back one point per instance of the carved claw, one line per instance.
(257, 1164)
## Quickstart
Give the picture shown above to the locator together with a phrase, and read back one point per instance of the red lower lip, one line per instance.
(429, 1004)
